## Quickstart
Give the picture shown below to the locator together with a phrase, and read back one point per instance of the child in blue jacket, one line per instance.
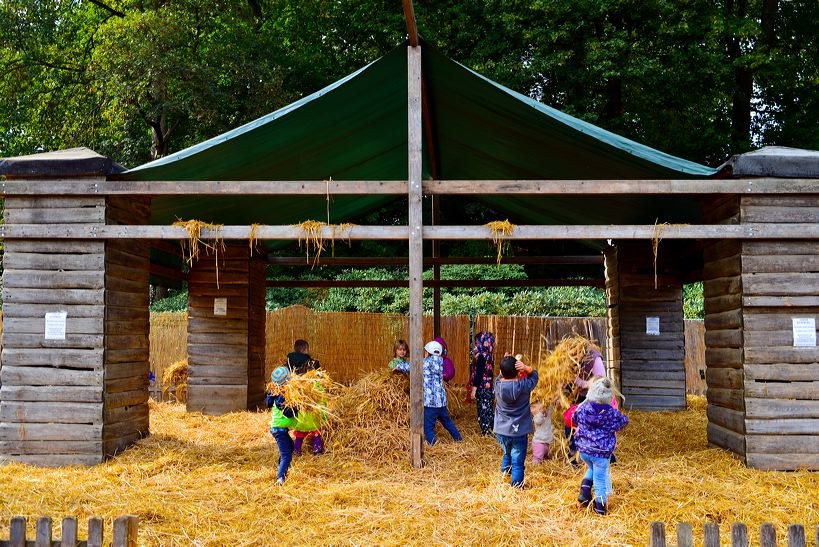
(513, 415)
(597, 422)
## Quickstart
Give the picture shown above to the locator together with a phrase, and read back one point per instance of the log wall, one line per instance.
(51, 399)
(612, 314)
(226, 352)
(722, 288)
(652, 367)
(127, 328)
(780, 281)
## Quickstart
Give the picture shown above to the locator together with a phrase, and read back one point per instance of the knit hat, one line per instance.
(280, 375)
(434, 348)
(601, 391)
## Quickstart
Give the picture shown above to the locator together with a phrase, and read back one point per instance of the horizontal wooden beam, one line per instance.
(69, 187)
(522, 232)
(450, 283)
(365, 261)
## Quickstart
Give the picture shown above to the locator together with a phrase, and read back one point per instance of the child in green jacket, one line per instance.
(282, 419)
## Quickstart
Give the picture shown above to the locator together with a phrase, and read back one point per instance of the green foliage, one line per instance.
(693, 301)
(177, 300)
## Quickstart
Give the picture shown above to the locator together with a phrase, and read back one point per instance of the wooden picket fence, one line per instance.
(739, 535)
(124, 535)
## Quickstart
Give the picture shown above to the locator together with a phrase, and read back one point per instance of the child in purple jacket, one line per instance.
(596, 422)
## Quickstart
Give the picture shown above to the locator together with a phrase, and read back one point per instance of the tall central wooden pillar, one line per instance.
(646, 337)
(226, 331)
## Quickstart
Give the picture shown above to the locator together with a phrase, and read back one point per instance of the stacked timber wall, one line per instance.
(226, 346)
(127, 328)
(722, 287)
(780, 282)
(652, 366)
(612, 314)
(51, 400)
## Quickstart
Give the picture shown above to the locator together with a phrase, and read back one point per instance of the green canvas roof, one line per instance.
(356, 129)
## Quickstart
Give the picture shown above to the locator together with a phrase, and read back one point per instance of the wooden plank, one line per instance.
(95, 532)
(196, 358)
(36, 279)
(769, 338)
(69, 413)
(781, 354)
(112, 447)
(782, 462)
(780, 408)
(780, 284)
(49, 432)
(127, 398)
(722, 321)
(13, 340)
(782, 444)
(55, 357)
(74, 394)
(60, 215)
(780, 263)
(722, 286)
(783, 372)
(128, 299)
(723, 267)
(48, 376)
(53, 296)
(223, 291)
(644, 354)
(126, 370)
(780, 248)
(782, 390)
(124, 414)
(710, 534)
(657, 535)
(68, 531)
(726, 418)
(40, 261)
(442, 232)
(218, 350)
(730, 378)
(728, 338)
(781, 201)
(224, 370)
(228, 338)
(725, 438)
(685, 535)
(49, 447)
(130, 428)
(773, 213)
(755, 321)
(16, 310)
(796, 535)
(216, 399)
(780, 301)
(215, 325)
(53, 202)
(50, 246)
(804, 426)
(717, 304)
(723, 357)
(126, 272)
(53, 460)
(126, 384)
(727, 398)
(664, 401)
(17, 532)
(125, 341)
(670, 375)
(631, 391)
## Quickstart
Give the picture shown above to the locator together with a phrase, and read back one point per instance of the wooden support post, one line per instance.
(436, 269)
(796, 535)
(17, 532)
(767, 535)
(125, 531)
(95, 532)
(43, 533)
(416, 256)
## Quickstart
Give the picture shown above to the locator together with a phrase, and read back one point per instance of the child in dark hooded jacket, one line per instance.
(597, 421)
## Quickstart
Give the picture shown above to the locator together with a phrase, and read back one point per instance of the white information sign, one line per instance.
(220, 306)
(55, 325)
(653, 326)
(804, 331)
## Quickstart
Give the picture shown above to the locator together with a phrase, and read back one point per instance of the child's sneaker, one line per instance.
(585, 496)
(280, 482)
(600, 507)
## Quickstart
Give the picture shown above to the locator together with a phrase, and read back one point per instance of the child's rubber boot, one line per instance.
(600, 507)
(297, 443)
(318, 445)
(585, 496)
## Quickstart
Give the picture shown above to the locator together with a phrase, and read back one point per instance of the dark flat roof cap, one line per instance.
(774, 161)
(71, 162)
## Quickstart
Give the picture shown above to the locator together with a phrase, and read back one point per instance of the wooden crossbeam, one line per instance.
(73, 187)
(364, 261)
(522, 232)
(443, 283)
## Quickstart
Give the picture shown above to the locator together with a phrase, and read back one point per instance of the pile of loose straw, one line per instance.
(312, 391)
(204, 480)
(176, 377)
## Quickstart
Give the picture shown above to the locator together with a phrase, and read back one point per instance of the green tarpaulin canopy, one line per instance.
(356, 129)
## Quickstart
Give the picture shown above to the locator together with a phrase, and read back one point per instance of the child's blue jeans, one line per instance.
(433, 414)
(514, 456)
(598, 472)
(285, 444)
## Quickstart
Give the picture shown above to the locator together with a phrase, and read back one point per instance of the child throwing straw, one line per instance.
(513, 419)
(282, 418)
(435, 405)
(597, 422)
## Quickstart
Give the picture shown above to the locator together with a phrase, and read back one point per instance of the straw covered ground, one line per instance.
(201, 480)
